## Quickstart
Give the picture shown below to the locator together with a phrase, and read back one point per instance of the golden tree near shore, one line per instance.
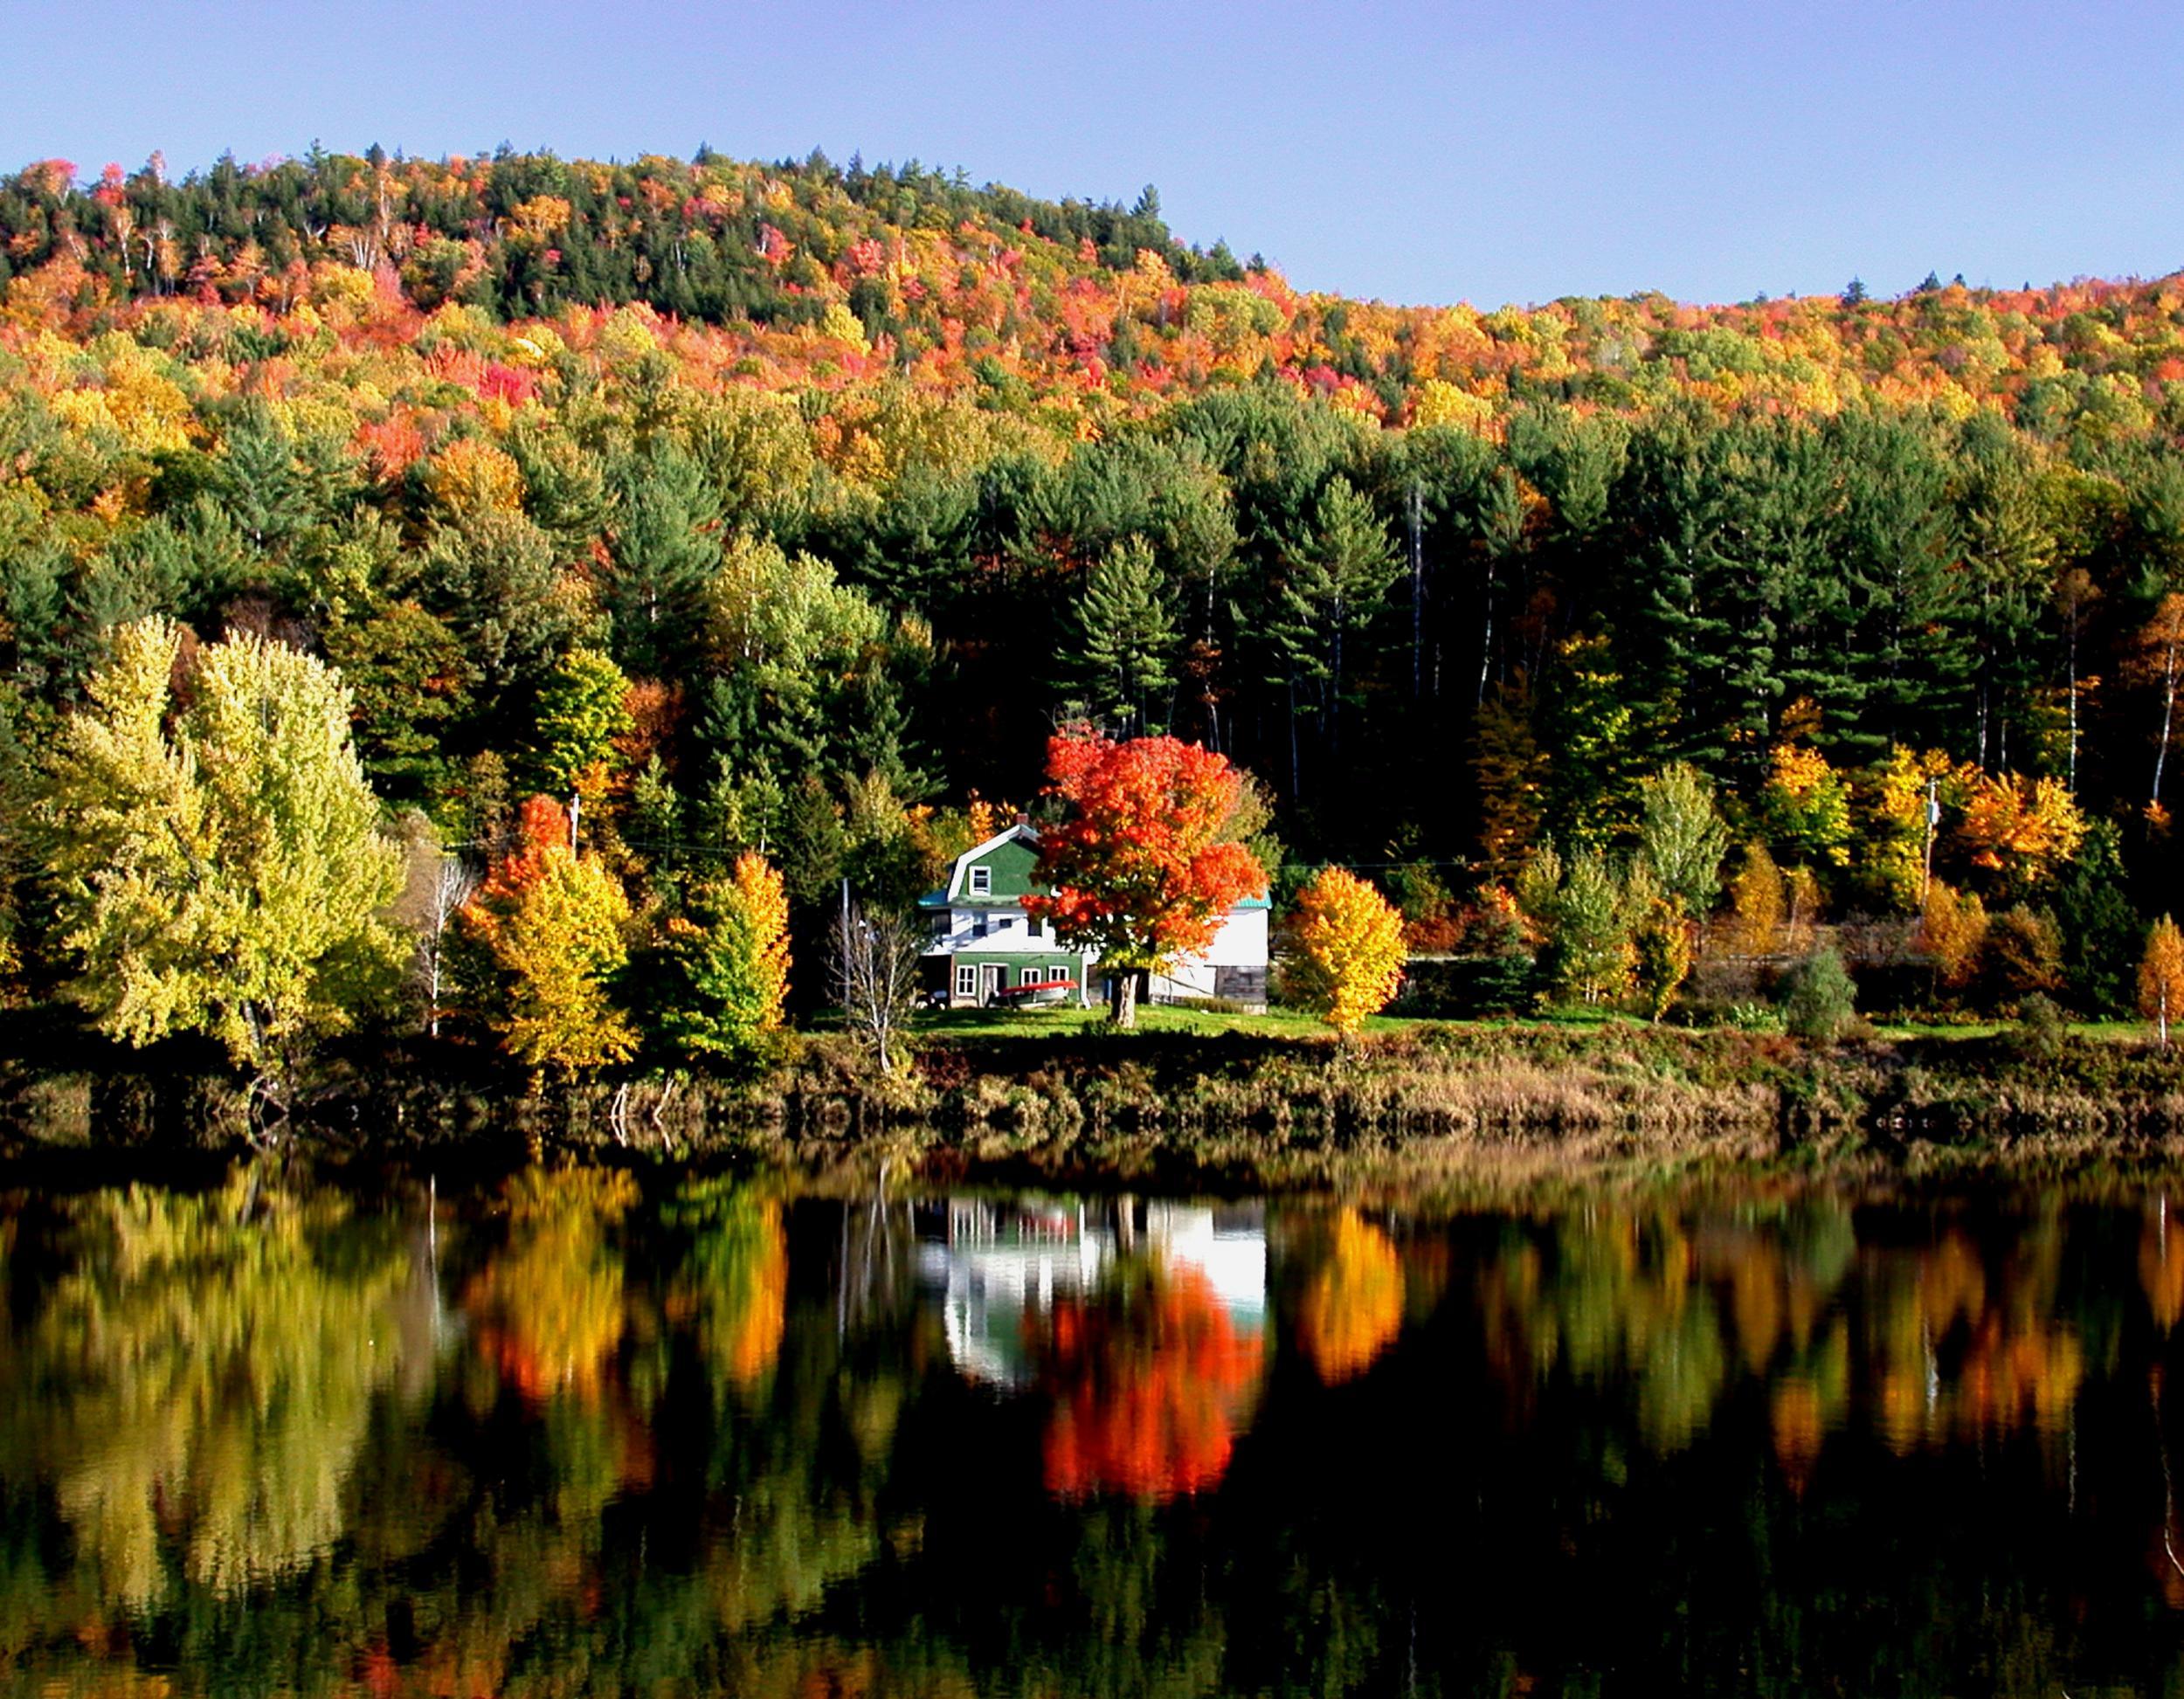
(1954, 925)
(2161, 976)
(1755, 904)
(215, 849)
(556, 927)
(560, 948)
(1348, 941)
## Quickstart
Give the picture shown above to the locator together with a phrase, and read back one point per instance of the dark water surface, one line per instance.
(582, 1430)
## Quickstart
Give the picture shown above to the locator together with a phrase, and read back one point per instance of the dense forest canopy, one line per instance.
(858, 482)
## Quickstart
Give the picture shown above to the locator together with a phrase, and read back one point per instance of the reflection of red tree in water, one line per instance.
(1146, 1377)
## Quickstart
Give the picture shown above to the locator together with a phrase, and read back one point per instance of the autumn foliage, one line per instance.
(1147, 1378)
(1354, 1307)
(713, 490)
(1143, 864)
(556, 926)
(2161, 977)
(1347, 950)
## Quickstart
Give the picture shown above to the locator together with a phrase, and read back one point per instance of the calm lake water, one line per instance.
(581, 1430)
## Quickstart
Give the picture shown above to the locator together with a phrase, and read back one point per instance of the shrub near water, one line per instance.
(1819, 998)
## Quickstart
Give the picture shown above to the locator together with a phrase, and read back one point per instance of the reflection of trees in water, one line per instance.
(1146, 1374)
(547, 1307)
(209, 1416)
(1353, 1309)
(197, 1384)
(733, 1279)
(687, 1438)
(1924, 1340)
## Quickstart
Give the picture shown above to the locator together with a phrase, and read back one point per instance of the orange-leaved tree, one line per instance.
(1349, 950)
(1145, 861)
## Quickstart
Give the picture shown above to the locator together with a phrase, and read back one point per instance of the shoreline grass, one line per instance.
(1239, 1098)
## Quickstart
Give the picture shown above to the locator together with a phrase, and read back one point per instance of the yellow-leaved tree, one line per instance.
(2161, 977)
(215, 852)
(1347, 950)
(556, 928)
(561, 946)
(1954, 927)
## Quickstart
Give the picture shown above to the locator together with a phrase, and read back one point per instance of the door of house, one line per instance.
(989, 985)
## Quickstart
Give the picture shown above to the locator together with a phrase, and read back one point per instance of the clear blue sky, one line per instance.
(1417, 153)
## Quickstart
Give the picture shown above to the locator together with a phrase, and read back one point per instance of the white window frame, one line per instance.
(966, 980)
(981, 881)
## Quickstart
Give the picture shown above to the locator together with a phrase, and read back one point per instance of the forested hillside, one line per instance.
(791, 507)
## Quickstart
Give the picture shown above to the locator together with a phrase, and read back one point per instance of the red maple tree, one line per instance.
(1145, 863)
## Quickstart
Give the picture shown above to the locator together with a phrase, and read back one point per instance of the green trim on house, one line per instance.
(1016, 959)
(1012, 867)
(961, 978)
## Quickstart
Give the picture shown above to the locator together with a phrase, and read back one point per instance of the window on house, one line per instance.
(1032, 976)
(981, 881)
(966, 980)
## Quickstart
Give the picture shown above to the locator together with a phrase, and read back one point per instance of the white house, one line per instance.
(985, 948)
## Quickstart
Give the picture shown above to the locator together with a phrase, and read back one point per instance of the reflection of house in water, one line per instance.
(994, 1262)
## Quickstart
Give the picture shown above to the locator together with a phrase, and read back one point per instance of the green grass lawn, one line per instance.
(1154, 1018)
(1276, 1023)
(1295, 1023)
(2107, 1031)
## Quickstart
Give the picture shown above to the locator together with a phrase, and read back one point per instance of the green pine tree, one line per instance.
(1123, 669)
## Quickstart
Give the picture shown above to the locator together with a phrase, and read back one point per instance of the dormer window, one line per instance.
(981, 881)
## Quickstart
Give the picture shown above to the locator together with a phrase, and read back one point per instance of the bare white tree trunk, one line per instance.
(875, 968)
(2169, 681)
(452, 882)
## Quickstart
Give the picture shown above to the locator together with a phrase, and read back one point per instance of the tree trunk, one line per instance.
(1486, 635)
(2073, 753)
(1123, 1010)
(1297, 783)
(1334, 705)
(1418, 597)
(2168, 715)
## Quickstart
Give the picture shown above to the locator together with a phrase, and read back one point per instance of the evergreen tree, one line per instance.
(1125, 642)
(1337, 573)
(663, 549)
